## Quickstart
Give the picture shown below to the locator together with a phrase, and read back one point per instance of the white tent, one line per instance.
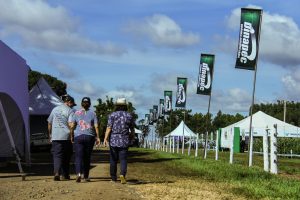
(42, 99)
(182, 130)
(260, 121)
(14, 126)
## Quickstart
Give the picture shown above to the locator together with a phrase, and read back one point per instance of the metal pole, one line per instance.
(284, 110)
(251, 109)
(266, 150)
(250, 128)
(217, 146)
(206, 134)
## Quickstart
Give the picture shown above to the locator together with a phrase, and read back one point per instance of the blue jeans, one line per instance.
(62, 152)
(83, 150)
(118, 153)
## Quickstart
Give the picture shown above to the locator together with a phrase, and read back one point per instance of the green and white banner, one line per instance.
(168, 101)
(161, 108)
(205, 76)
(181, 92)
(147, 119)
(249, 38)
(151, 117)
(155, 113)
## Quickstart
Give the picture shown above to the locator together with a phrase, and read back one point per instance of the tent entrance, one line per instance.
(11, 139)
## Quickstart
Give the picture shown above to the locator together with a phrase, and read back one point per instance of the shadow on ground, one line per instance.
(42, 164)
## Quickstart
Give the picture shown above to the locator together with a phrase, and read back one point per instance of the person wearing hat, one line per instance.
(60, 137)
(119, 132)
(85, 127)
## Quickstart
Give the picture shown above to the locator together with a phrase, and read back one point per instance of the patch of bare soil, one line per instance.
(39, 182)
(147, 178)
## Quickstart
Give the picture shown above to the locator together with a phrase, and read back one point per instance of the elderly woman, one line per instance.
(119, 132)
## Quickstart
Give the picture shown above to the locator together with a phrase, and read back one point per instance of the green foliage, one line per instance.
(104, 108)
(284, 145)
(277, 110)
(58, 86)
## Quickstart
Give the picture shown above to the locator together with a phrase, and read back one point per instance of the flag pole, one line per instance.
(252, 103)
(206, 134)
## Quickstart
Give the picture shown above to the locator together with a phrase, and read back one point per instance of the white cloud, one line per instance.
(291, 83)
(233, 100)
(65, 71)
(85, 88)
(280, 37)
(162, 31)
(40, 25)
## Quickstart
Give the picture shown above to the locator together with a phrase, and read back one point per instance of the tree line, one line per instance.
(197, 122)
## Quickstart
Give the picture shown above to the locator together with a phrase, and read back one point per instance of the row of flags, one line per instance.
(246, 59)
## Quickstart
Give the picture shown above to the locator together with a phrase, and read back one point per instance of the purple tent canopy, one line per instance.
(14, 98)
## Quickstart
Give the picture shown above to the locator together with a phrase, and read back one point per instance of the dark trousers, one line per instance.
(118, 153)
(83, 150)
(62, 151)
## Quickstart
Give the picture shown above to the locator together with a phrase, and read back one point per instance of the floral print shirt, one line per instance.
(120, 122)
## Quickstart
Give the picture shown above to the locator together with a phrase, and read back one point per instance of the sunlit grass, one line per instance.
(250, 182)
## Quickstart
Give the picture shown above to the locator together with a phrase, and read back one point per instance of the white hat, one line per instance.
(121, 101)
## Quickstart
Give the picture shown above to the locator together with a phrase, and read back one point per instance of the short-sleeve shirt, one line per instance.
(59, 118)
(120, 122)
(85, 122)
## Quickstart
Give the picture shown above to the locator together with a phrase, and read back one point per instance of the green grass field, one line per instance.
(250, 182)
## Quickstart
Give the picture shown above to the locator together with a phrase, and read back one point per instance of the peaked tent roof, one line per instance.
(14, 98)
(182, 129)
(42, 99)
(260, 121)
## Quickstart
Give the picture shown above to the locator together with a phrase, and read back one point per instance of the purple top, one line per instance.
(120, 122)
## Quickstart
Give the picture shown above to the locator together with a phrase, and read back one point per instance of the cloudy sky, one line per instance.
(137, 49)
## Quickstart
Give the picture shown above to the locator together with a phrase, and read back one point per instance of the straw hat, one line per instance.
(121, 102)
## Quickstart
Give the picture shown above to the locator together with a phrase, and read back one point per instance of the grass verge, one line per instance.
(251, 182)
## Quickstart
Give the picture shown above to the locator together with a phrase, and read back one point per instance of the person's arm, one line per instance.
(132, 133)
(49, 131)
(72, 126)
(97, 134)
(107, 134)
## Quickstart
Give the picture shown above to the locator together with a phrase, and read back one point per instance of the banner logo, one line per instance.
(249, 39)
(168, 101)
(181, 92)
(248, 34)
(204, 81)
(205, 76)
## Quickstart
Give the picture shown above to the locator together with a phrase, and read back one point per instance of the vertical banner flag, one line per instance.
(249, 38)
(161, 108)
(205, 76)
(147, 117)
(181, 92)
(168, 101)
(151, 117)
(155, 113)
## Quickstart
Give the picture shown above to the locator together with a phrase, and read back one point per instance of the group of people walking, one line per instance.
(78, 129)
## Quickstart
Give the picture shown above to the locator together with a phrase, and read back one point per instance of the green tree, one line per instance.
(58, 86)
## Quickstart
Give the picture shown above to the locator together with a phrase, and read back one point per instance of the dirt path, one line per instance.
(39, 183)
(148, 178)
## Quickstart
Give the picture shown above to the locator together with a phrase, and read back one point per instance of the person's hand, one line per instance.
(97, 141)
(105, 143)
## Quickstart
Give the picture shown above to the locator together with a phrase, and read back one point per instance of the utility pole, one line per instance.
(284, 110)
